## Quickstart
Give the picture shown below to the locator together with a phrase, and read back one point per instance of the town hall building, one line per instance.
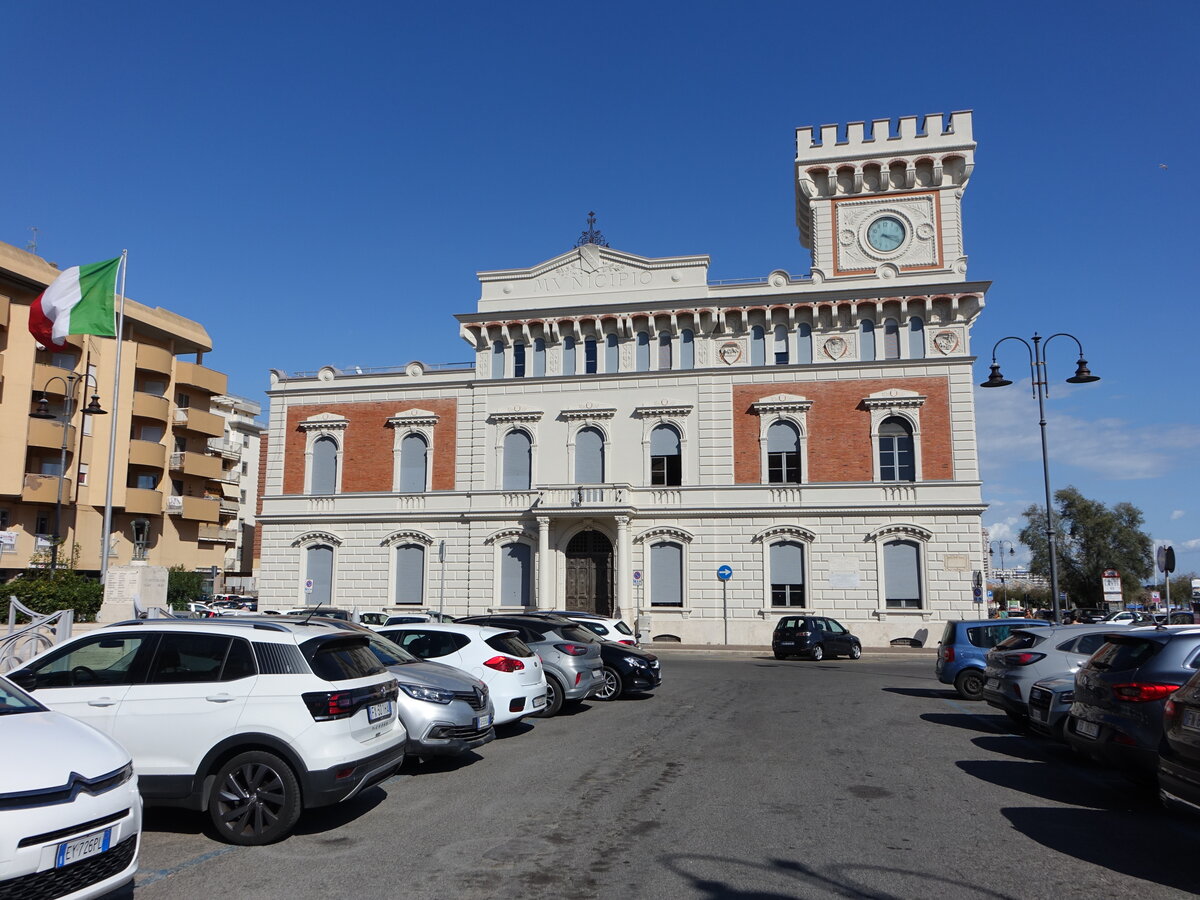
(629, 428)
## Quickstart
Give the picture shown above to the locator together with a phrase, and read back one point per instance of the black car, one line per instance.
(813, 636)
(1120, 692)
(1179, 753)
(627, 670)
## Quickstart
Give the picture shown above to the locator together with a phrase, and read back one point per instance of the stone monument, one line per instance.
(128, 589)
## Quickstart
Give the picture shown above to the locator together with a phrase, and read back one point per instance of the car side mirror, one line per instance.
(24, 679)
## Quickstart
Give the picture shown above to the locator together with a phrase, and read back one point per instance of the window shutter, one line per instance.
(666, 575)
(413, 452)
(642, 361)
(568, 366)
(787, 563)
(324, 466)
(517, 458)
(782, 437)
(589, 457)
(687, 350)
(891, 339)
(497, 360)
(758, 349)
(539, 358)
(916, 338)
(901, 572)
(664, 352)
(867, 351)
(804, 345)
(664, 441)
(319, 568)
(612, 354)
(514, 575)
(410, 574)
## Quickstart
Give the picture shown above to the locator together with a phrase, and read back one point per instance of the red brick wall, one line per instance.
(367, 444)
(262, 489)
(839, 428)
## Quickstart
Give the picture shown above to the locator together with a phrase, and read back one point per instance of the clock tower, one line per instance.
(884, 201)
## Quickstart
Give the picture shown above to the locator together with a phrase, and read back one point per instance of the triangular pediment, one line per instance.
(595, 272)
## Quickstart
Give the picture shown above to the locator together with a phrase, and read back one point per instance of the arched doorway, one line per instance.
(590, 573)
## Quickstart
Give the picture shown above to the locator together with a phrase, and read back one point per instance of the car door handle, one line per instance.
(220, 698)
(102, 701)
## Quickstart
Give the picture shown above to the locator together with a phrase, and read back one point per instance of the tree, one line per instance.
(1089, 538)
(183, 587)
(46, 591)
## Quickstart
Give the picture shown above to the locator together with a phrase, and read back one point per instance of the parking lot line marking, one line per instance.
(151, 877)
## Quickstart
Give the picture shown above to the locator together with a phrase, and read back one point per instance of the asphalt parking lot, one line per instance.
(742, 777)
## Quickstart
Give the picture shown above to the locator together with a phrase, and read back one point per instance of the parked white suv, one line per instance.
(252, 721)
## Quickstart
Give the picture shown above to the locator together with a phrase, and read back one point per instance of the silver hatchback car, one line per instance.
(1030, 654)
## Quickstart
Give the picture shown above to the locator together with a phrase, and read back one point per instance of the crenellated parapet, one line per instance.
(883, 200)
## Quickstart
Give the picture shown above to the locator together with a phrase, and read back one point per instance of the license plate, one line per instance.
(787, 643)
(597, 673)
(539, 700)
(81, 848)
(377, 711)
(1191, 720)
(993, 684)
(1087, 729)
(483, 722)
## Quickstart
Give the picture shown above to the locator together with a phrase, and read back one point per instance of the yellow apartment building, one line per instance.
(172, 504)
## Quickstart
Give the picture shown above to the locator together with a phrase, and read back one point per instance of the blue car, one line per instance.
(964, 645)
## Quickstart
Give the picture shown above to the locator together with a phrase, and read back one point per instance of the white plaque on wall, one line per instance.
(956, 562)
(843, 580)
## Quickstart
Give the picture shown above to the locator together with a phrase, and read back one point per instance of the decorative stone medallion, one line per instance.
(730, 352)
(835, 347)
(946, 342)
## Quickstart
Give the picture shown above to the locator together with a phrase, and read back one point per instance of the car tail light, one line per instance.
(505, 664)
(327, 705)
(573, 649)
(1143, 692)
(948, 654)
(630, 643)
(1170, 710)
(1022, 659)
(578, 677)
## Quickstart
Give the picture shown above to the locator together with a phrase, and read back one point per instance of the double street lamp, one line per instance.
(1012, 551)
(70, 382)
(1041, 387)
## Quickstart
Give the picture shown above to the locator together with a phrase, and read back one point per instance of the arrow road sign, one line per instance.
(725, 573)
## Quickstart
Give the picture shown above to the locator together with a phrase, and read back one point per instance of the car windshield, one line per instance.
(389, 653)
(1020, 640)
(1124, 654)
(577, 633)
(342, 658)
(623, 628)
(13, 700)
(511, 644)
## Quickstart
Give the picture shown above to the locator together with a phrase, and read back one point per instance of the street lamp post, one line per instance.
(1012, 551)
(70, 382)
(1041, 388)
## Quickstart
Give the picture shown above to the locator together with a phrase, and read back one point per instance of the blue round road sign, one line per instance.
(725, 573)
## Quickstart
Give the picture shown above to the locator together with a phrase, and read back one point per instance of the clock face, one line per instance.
(886, 233)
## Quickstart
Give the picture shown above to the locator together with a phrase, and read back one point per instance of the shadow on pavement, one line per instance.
(434, 764)
(969, 722)
(931, 693)
(512, 729)
(176, 821)
(330, 818)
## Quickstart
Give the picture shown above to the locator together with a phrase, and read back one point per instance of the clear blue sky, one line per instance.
(318, 183)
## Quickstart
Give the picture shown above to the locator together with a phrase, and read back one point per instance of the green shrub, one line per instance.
(183, 587)
(47, 592)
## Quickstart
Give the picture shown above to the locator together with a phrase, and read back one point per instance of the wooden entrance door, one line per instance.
(589, 559)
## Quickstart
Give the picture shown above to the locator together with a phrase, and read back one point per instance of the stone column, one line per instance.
(545, 579)
(623, 574)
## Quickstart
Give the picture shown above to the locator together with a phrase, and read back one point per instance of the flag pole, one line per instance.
(106, 533)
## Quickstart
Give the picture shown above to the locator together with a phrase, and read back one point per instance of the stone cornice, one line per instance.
(528, 416)
(665, 409)
(324, 422)
(585, 413)
(785, 531)
(895, 398)
(776, 403)
(413, 418)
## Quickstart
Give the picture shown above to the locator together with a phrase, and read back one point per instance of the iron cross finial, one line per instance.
(591, 235)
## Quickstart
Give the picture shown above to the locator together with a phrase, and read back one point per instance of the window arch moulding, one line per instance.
(901, 529)
(407, 537)
(504, 421)
(316, 537)
(784, 532)
(664, 532)
(791, 408)
(507, 535)
(902, 404)
(330, 425)
(412, 421)
(665, 412)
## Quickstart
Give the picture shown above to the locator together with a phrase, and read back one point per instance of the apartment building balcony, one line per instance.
(225, 449)
(198, 420)
(154, 359)
(51, 380)
(197, 376)
(196, 509)
(48, 434)
(44, 488)
(140, 501)
(151, 406)
(229, 476)
(147, 453)
(197, 464)
(229, 507)
(215, 534)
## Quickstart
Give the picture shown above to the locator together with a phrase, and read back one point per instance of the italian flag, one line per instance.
(79, 301)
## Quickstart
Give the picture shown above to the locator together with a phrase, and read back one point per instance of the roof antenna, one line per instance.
(31, 245)
(314, 611)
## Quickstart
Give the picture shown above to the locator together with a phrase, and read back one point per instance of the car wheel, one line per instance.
(255, 800)
(611, 689)
(817, 653)
(969, 684)
(856, 651)
(554, 699)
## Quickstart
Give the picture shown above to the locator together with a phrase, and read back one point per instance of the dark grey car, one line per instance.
(570, 654)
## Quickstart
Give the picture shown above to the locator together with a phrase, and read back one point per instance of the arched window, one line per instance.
(498, 359)
(568, 365)
(758, 350)
(324, 466)
(414, 453)
(410, 575)
(518, 359)
(589, 356)
(804, 345)
(318, 568)
(642, 356)
(515, 574)
(867, 340)
(902, 574)
(787, 574)
(782, 354)
(664, 351)
(612, 354)
(666, 574)
(897, 461)
(783, 454)
(539, 357)
(589, 456)
(916, 338)
(666, 460)
(687, 349)
(891, 339)
(518, 456)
